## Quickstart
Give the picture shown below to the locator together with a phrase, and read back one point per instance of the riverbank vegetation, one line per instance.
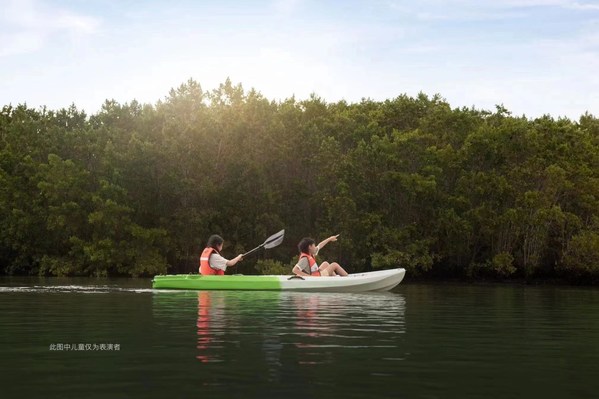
(136, 189)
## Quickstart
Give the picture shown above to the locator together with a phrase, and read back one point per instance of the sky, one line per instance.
(534, 57)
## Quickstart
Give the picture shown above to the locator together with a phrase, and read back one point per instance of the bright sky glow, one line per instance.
(533, 56)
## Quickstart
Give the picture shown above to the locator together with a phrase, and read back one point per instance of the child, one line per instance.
(307, 266)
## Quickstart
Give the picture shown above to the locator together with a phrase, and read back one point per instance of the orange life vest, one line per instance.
(312, 262)
(205, 268)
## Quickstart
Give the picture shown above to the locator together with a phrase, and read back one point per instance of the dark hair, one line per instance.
(214, 241)
(304, 244)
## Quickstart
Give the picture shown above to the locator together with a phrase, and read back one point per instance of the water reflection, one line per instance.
(277, 329)
(204, 338)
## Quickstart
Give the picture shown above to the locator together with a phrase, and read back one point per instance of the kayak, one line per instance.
(383, 280)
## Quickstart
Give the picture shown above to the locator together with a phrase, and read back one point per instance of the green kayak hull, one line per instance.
(233, 282)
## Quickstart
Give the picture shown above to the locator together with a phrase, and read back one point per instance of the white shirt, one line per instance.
(216, 261)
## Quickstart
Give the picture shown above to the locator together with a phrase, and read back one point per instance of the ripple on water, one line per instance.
(81, 289)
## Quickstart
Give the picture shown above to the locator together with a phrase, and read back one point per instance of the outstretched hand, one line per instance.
(327, 240)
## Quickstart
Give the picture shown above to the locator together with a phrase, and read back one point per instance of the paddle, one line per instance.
(270, 242)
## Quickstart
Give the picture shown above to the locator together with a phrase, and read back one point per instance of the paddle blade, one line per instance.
(274, 239)
(270, 242)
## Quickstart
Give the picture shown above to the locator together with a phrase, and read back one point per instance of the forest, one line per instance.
(447, 193)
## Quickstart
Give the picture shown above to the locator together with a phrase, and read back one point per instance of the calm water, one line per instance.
(418, 341)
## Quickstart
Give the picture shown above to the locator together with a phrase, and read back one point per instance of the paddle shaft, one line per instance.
(253, 250)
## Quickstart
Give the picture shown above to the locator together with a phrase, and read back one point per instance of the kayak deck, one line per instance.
(383, 280)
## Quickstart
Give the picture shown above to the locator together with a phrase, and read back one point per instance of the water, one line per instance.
(418, 341)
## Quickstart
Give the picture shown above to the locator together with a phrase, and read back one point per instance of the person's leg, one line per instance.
(324, 269)
(337, 269)
(331, 269)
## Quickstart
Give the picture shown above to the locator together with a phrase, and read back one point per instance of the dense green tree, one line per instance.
(136, 189)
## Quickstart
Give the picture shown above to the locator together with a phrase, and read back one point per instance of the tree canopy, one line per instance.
(136, 189)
